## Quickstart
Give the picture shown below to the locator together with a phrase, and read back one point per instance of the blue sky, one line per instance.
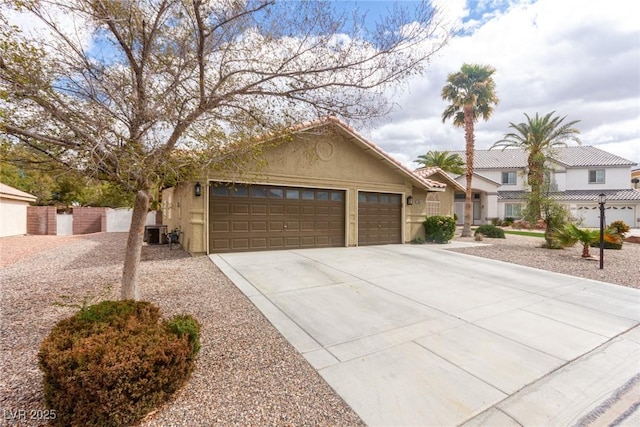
(578, 58)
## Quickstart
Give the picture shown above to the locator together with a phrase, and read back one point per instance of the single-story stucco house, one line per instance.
(324, 185)
(13, 210)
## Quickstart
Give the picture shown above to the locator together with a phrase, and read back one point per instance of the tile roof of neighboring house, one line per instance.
(428, 183)
(9, 192)
(579, 156)
(577, 195)
(426, 172)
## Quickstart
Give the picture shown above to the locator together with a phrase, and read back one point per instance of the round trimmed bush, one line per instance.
(439, 229)
(490, 231)
(112, 363)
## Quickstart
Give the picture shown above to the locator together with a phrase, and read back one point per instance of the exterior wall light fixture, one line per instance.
(409, 200)
(197, 189)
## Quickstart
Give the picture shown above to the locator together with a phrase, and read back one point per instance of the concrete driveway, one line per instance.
(417, 335)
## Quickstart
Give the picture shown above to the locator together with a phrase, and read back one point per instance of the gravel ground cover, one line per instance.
(246, 372)
(621, 267)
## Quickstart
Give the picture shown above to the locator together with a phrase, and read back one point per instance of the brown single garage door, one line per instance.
(264, 217)
(379, 218)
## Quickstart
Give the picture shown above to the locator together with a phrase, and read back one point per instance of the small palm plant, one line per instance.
(571, 234)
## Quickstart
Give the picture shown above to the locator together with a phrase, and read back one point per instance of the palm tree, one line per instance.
(472, 94)
(538, 136)
(571, 234)
(444, 160)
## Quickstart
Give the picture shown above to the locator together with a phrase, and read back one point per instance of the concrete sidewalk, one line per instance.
(416, 335)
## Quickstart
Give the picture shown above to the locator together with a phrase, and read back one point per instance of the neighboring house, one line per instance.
(577, 176)
(325, 186)
(13, 210)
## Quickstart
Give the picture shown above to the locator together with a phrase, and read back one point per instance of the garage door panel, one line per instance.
(258, 209)
(221, 244)
(276, 242)
(308, 210)
(240, 226)
(276, 225)
(240, 243)
(258, 226)
(335, 210)
(292, 241)
(293, 226)
(335, 225)
(259, 243)
(240, 209)
(221, 208)
(308, 241)
(322, 225)
(323, 210)
(276, 210)
(220, 225)
(323, 241)
(263, 217)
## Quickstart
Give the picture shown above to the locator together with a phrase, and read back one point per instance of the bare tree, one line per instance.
(138, 92)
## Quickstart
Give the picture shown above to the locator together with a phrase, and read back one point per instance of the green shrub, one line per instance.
(112, 363)
(496, 221)
(507, 221)
(439, 229)
(184, 325)
(620, 228)
(489, 230)
(612, 239)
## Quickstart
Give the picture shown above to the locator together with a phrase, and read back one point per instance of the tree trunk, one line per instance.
(469, 140)
(134, 247)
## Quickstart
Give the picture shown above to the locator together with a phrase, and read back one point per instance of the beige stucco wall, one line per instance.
(13, 217)
(327, 160)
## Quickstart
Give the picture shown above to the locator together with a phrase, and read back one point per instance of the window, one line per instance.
(293, 194)
(240, 191)
(509, 178)
(220, 191)
(596, 176)
(259, 192)
(512, 210)
(276, 193)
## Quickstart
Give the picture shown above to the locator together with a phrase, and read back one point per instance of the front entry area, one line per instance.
(379, 218)
(267, 217)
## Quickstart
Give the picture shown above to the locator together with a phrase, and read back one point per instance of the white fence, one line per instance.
(119, 220)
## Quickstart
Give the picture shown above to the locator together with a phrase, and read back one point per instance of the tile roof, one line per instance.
(579, 156)
(426, 172)
(577, 195)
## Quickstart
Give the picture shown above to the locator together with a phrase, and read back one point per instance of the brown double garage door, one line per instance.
(265, 217)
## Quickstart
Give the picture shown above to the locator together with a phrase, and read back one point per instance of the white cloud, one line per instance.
(580, 59)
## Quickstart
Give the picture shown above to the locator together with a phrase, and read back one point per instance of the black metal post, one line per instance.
(601, 234)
